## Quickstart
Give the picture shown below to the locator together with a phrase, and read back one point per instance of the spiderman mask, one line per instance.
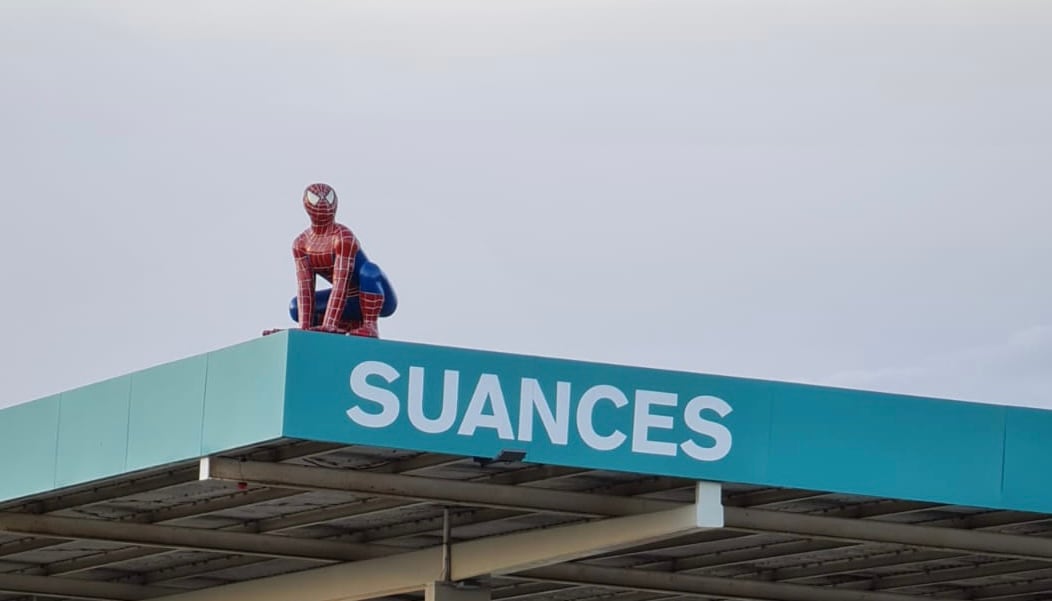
(320, 202)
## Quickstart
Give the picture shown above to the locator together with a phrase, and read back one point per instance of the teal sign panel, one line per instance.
(596, 416)
(167, 414)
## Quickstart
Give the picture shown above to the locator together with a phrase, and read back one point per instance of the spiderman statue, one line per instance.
(360, 293)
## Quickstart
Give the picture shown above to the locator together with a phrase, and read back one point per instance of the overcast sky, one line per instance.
(848, 193)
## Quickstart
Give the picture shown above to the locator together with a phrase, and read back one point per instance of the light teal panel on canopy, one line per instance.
(166, 406)
(93, 431)
(175, 412)
(244, 394)
(28, 442)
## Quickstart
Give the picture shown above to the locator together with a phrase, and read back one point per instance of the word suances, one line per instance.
(653, 413)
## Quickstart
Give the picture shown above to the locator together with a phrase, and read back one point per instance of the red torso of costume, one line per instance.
(321, 248)
(329, 251)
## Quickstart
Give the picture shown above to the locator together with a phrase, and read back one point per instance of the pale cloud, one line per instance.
(1016, 370)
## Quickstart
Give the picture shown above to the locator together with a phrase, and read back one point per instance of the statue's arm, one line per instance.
(305, 281)
(346, 247)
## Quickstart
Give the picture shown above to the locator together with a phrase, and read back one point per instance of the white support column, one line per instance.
(448, 591)
(708, 503)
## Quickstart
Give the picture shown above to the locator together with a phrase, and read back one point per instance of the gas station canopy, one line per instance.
(312, 467)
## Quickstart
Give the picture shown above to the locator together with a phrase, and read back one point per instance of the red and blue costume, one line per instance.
(360, 293)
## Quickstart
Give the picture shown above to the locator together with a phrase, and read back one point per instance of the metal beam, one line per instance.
(331, 512)
(198, 539)
(199, 568)
(574, 503)
(853, 565)
(668, 582)
(196, 509)
(416, 463)
(862, 531)
(83, 563)
(123, 486)
(494, 555)
(789, 547)
(356, 508)
(533, 590)
(528, 475)
(295, 449)
(994, 519)
(409, 466)
(830, 528)
(100, 492)
(385, 534)
(382, 533)
(732, 557)
(488, 516)
(1010, 590)
(448, 591)
(983, 521)
(989, 520)
(117, 488)
(632, 596)
(420, 488)
(870, 510)
(762, 551)
(771, 496)
(999, 520)
(1010, 566)
(78, 589)
(413, 464)
(524, 589)
(199, 508)
(470, 517)
(25, 545)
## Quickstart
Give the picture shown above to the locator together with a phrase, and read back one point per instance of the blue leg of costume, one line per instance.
(369, 277)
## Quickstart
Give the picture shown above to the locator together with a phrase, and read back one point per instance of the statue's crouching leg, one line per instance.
(376, 299)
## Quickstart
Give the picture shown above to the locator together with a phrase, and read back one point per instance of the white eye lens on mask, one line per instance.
(312, 197)
(330, 197)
